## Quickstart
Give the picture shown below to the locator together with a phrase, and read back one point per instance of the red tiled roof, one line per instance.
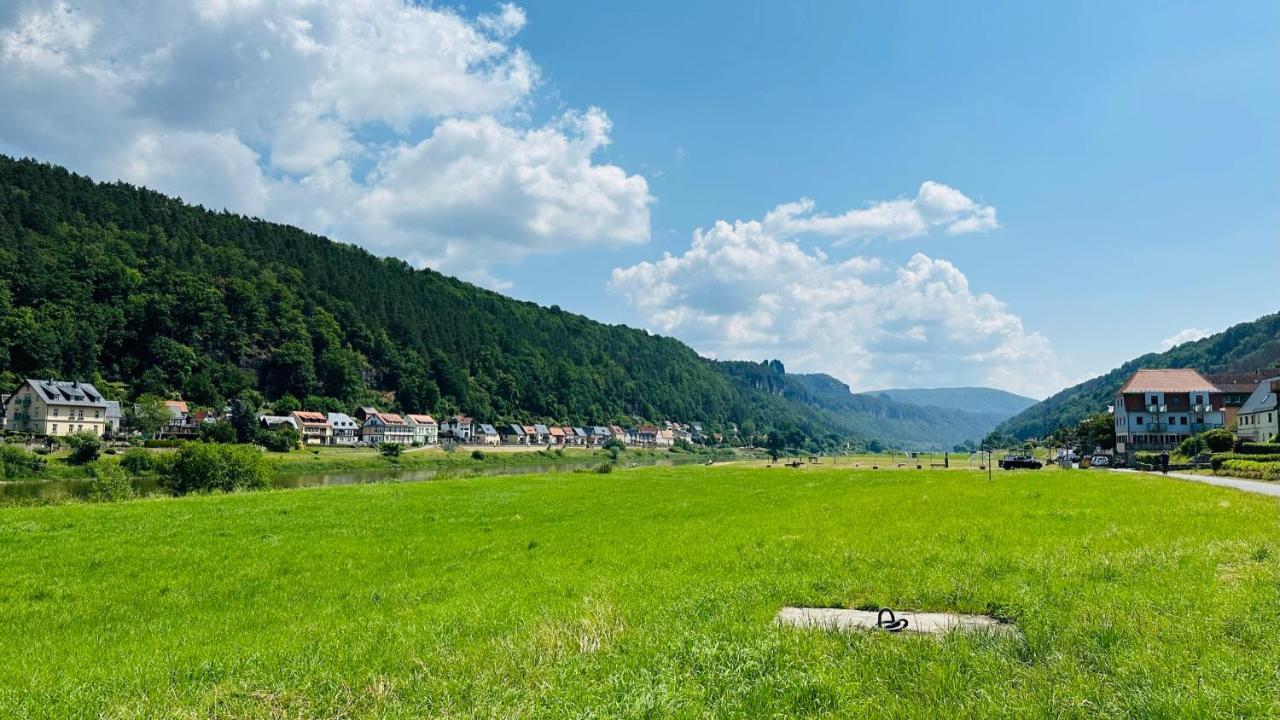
(422, 418)
(179, 405)
(311, 417)
(391, 418)
(557, 432)
(1168, 381)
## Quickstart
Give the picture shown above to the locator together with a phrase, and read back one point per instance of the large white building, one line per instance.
(1158, 409)
(56, 407)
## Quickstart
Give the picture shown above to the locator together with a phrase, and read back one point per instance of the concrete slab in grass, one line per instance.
(930, 623)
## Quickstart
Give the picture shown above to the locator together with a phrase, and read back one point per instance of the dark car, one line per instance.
(1020, 462)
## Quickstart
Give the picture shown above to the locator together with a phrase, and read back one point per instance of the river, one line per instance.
(17, 491)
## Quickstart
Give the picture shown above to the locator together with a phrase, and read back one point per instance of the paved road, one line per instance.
(1254, 486)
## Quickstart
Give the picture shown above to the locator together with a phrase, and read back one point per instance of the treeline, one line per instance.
(142, 293)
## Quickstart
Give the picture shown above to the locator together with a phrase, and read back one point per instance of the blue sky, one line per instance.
(1104, 176)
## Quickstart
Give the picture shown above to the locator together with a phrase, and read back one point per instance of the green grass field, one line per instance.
(646, 593)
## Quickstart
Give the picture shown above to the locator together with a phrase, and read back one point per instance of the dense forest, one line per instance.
(142, 293)
(1247, 346)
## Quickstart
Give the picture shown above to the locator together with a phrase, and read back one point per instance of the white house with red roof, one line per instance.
(1156, 410)
(426, 431)
(314, 426)
(383, 427)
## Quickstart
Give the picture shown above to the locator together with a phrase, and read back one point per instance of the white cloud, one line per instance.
(1183, 336)
(744, 290)
(935, 205)
(312, 111)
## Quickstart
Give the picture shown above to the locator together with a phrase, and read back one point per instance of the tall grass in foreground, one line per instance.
(646, 593)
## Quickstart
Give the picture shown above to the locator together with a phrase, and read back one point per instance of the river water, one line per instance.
(20, 490)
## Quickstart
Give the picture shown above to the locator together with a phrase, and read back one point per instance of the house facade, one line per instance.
(486, 435)
(458, 428)
(56, 408)
(1155, 410)
(1236, 388)
(386, 427)
(1259, 418)
(345, 429)
(315, 427)
(426, 431)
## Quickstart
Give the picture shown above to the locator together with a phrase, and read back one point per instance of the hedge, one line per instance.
(1259, 448)
(162, 443)
(1217, 459)
(1252, 469)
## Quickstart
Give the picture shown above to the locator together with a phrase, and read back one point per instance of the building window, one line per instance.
(1182, 420)
(1139, 419)
(55, 428)
(55, 412)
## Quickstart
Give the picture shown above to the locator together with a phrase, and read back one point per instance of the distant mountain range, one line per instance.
(985, 401)
(1247, 346)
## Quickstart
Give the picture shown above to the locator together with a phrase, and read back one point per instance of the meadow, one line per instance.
(647, 593)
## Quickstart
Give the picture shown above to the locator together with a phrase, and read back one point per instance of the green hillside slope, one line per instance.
(144, 293)
(1247, 346)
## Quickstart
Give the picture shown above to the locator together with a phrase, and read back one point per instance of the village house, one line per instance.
(486, 434)
(646, 436)
(114, 418)
(1236, 388)
(556, 436)
(345, 429)
(458, 428)
(665, 438)
(56, 408)
(619, 434)
(577, 435)
(182, 425)
(1259, 418)
(384, 427)
(530, 435)
(315, 427)
(1156, 410)
(513, 434)
(275, 422)
(426, 431)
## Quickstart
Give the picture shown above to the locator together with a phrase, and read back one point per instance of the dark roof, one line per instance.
(1262, 399)
(1241, 382)
(62, 392)
(487, 429)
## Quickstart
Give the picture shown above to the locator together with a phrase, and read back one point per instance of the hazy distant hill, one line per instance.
(1247, 346)
(897, 424)
(987, 401)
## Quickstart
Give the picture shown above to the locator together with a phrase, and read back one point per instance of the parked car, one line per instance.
(1020, 462)
(1100, 461)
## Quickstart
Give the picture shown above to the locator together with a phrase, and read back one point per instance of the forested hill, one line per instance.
(143, 293)
(987, 401)
(1247, 346)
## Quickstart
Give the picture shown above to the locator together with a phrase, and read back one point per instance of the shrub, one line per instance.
(221, 431)
(1219, 458)
(200, 467)
(170, 443)
(17, 462)
(390, 449)
(1219, 440)
(110, 483)
(1146, 457)
(1191, 446)
(604, 468)
(1251, 448)
(477, 455)
(136, 461)
(85, 447)
(1252, 469)
(282, 439)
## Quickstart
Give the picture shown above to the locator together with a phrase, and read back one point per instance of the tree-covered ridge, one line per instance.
(1247, 346)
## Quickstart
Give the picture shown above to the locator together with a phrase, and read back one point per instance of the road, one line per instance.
(1254, 486)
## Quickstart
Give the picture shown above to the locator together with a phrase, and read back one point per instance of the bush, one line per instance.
(1219, 440)
(1192, 446)
(1146, 457)
(1252, 469)
(477, 455)
(201, 467)
(1219, 458)
(85, 447)
(18, 463)
(390, 449)
(110, 483)
(282, 439)
(221, 431)
(169, 443)
(1251, 448)
(136, 461)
